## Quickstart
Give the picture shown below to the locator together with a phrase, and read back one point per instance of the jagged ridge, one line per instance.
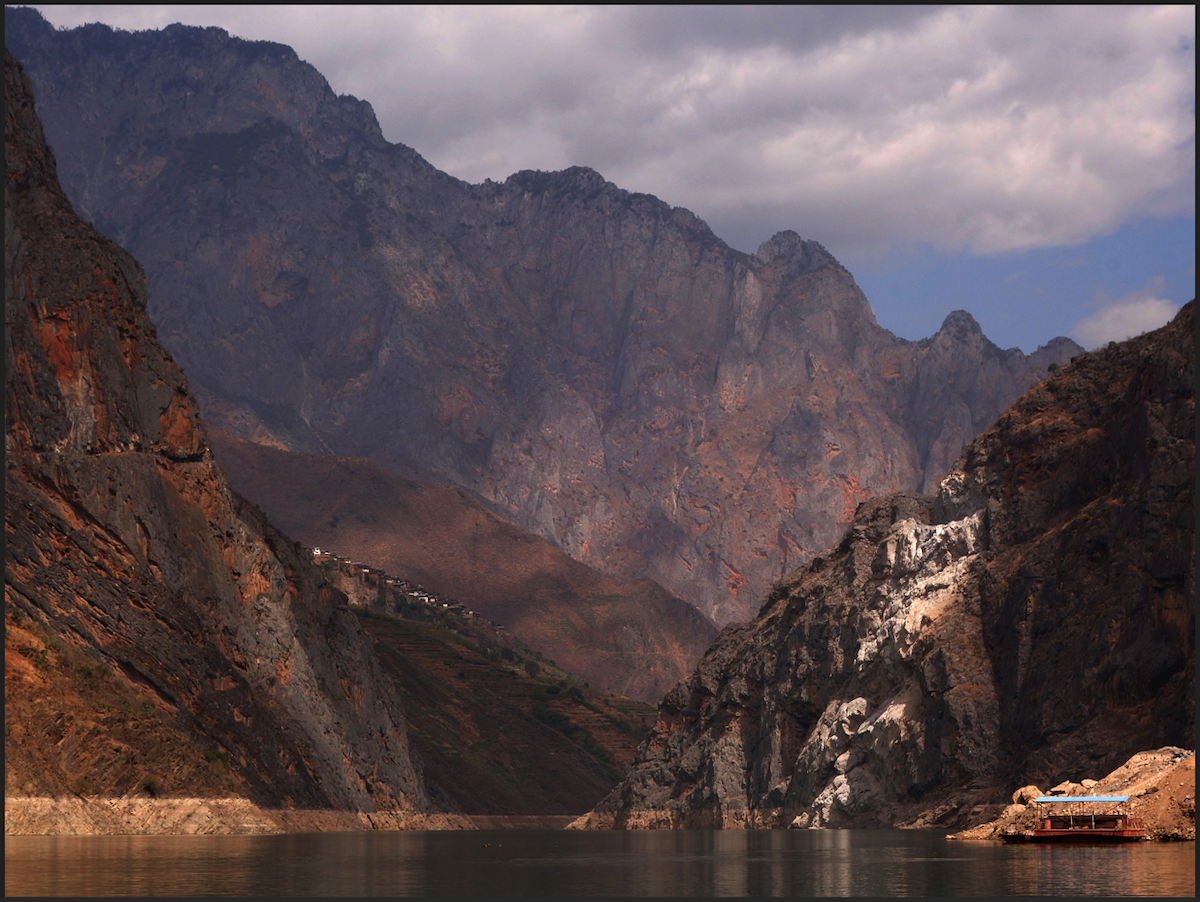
(595, 365)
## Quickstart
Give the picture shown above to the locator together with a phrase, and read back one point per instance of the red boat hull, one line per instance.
(1105, 836)
(1083, 829)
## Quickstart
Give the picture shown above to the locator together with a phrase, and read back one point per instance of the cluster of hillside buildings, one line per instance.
(376, 587)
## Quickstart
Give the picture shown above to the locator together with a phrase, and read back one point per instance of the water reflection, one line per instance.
(553, 863)
(1140, 869)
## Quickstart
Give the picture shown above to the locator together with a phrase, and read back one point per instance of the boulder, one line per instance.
(1025, 795)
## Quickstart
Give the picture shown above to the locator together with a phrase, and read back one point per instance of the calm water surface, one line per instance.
(545, 863)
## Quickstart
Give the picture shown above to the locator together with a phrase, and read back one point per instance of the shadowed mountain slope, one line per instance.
(595, 365)
(1031, 622)
(495, 740)
(629, 637)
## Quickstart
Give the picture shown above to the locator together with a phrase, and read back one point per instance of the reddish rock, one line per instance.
(155, 623)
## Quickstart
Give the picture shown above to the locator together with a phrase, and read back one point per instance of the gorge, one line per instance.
(1030, 622)
(684, 429)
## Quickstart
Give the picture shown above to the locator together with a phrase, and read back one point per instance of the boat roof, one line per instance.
(1082, 799)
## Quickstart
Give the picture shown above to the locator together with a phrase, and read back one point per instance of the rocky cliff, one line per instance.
(595, 365)
(1031, 622)
(161, 638)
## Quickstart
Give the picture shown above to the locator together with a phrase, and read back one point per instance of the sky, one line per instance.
(1034, 166)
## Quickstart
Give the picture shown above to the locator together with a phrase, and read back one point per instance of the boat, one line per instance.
(1080, 822)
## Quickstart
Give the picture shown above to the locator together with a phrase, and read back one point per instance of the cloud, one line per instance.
(990, 129)
(1139, 311)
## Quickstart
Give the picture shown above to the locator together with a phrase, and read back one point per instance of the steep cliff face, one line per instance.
(596, 365)
(1033, 621)
(134, 575)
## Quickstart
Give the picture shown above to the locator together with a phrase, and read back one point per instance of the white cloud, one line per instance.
(993, 129)
(1139, 311)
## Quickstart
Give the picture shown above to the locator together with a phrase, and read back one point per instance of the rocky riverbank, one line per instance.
(1161, 786)
(73, 816)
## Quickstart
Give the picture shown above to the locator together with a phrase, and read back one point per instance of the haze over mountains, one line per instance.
(594, 365)
(627, 636)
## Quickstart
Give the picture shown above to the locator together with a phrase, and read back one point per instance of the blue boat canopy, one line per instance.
(1082, 799)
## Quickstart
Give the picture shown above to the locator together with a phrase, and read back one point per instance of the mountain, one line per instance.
(496, 740)
(161, 637)
(629, 637)
(595, 366)
(1033, 621)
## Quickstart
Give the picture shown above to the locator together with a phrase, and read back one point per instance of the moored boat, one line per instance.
(1080, 822)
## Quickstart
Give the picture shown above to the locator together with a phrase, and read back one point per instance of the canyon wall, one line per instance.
(161, 637)
(1031, 622)
(594, 365)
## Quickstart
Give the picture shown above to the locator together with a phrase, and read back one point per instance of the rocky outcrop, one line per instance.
(595, 365)
(161, 637)
(1034, 618)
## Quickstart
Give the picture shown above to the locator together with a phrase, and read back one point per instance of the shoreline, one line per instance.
(116, 816)
(1160, 784)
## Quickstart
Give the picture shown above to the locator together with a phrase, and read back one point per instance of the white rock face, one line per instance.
(918, 567)
(922, 564)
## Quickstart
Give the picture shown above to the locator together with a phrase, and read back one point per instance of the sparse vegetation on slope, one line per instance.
(493, 739)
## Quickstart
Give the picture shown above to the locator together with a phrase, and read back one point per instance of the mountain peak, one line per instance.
(780, 244)
(574, 178)
(801, 255)
(960, 324)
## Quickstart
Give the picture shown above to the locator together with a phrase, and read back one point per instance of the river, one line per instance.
(601, 863)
